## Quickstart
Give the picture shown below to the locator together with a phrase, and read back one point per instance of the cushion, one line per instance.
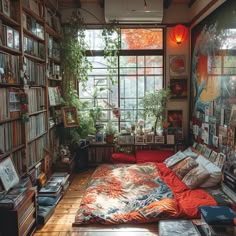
(215, 172)
(152, 155)
(122, 158)
(195, 177)
(184, 166)
(177, 157)
(189, 152)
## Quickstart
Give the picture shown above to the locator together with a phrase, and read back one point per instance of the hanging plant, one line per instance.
(76, 65)
(111, 36)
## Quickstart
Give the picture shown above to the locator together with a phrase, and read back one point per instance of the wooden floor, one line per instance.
(60, 223)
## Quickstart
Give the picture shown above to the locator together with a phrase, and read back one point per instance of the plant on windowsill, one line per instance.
(154, 105)
(110, 132)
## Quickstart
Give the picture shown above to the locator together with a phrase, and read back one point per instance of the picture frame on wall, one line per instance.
(8, 175)
(70, 118)
(178, 88)
(177, 65)
(175, 118)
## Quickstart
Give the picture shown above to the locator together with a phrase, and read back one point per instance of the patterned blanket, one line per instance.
(138, 193)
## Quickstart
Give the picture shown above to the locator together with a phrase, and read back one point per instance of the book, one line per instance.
(49, 190)
(217, 215)
(12, 198)
(59, 179)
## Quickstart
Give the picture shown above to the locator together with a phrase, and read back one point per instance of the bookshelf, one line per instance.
(54, 73)
(30, 71)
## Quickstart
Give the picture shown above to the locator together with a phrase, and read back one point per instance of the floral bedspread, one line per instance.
(138, 193)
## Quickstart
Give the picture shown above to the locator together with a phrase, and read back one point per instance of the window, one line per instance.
(139, 69)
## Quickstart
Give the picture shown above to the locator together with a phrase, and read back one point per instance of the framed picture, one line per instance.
(149, 138)
(6, 7)
(207, 152)
(10, 37)
(159, 139)
(139, 139)
(170, 139)
(70, 118)
(213, 156)
(175, 118)
(177, 65)
(178, 88)
(8, 174)
(220, 159)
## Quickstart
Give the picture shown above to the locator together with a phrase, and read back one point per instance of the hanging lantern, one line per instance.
(179, 33)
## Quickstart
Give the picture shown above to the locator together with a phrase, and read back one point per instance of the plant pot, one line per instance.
(110, 138)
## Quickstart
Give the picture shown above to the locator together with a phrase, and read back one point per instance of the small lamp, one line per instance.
(179, 33)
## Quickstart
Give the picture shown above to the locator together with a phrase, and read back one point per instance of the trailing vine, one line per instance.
(111, 36)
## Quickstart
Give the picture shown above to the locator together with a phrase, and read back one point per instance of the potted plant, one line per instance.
(110, 132)
(154, 105)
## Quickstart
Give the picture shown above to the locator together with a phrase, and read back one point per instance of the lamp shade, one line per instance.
(179, 33)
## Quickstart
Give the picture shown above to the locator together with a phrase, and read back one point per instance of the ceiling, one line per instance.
(77, 3)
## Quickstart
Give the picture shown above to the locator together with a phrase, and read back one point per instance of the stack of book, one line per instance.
(229, 185)
(61, 178)
(13, 197)
(217, 221)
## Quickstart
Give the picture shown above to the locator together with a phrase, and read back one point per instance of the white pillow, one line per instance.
(189, 152)
(215, 172)
(177, 157)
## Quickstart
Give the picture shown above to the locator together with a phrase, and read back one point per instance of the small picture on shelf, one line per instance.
(139, 139)
(159, 139)
(149, 138)
(213, 156)
(8, 174)
(16, 40)
(6, 7)
(10, 37)
(170, 139)
(70, 118)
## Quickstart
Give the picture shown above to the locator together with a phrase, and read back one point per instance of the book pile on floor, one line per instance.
(217, 221)
(14, 196)
(50, 194)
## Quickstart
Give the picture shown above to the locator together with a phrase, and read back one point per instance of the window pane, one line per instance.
(135, 39)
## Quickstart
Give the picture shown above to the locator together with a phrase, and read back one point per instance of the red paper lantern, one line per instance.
(179, 33)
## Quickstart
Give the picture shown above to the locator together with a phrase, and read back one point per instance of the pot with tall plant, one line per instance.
(154, 106)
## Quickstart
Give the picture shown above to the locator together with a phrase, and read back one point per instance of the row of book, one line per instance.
(34, 6)
(52, 20)
(54, 70)
(53, 48)
(9, 37)
(36, 150)
(33, 47)
(19, 161)
(30, 24)
(36, 125)
(54, 96)
(36, 98)
(10, 135)
(9, 68)
(35, 72)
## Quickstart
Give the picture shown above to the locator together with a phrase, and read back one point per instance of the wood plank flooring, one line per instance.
(60, 223)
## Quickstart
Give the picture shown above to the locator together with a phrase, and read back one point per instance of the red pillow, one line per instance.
(122, 158)
(152, 155)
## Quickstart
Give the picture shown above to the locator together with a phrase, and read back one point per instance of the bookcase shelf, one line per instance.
(25, 32)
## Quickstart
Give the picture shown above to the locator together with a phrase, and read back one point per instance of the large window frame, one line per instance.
(128, 115)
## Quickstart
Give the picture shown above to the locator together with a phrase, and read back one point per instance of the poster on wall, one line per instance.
(213, 80)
